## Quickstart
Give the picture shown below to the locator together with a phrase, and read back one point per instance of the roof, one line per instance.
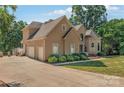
(91, 32)
(46, 28)
(35, 24)
(67, 32)
(77, 27)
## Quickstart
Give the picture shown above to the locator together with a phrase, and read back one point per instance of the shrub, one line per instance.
(83, 57)
(76, 58)
(52, 59)
(83, 53)
(76, 54)
(100, 53)
(62, 58)
(69, 58)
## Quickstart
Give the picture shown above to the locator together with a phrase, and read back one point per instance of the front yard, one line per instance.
(112, 66)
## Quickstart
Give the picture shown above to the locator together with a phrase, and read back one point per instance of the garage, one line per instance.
(40, 53)
(30, 52)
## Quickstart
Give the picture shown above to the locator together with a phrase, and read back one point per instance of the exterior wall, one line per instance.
(36, 44)
(82, 30)
(56, 36)
(93, 50)
(72, 38)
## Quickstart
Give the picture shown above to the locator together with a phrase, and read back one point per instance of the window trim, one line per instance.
(55, 48)
(72, 48)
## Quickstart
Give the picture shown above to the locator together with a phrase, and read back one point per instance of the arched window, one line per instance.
(81, 37)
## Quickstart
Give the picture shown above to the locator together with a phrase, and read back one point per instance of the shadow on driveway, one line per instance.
(90, 63)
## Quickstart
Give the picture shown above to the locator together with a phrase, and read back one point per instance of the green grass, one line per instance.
(112, 66)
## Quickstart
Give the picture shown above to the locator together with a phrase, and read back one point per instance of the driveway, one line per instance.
(30, 73)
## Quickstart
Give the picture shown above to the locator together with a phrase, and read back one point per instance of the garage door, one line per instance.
(40, 53)
(30, 51)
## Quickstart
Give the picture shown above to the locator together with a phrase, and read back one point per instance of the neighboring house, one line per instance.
(58, 36)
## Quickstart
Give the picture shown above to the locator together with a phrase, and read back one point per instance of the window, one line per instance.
(92, 44)
(98, 47)
(81, 48)
(63, 27)
(81, 37)
(55, 48)
(72, 48)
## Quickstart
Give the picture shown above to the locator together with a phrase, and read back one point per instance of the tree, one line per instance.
(6, 18)
(14, 36)
(91, 16)
(112, 34)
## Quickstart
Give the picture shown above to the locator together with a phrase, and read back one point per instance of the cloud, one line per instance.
(67, 12)
(112, 8)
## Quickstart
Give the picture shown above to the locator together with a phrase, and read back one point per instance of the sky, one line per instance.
(43, 13)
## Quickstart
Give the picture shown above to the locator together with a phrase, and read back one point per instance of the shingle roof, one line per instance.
(89, 33)
(92, 33)
(35, 25)
(67, 32)
(77, 27)
(46, 28)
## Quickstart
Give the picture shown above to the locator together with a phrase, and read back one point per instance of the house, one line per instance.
(58, 36)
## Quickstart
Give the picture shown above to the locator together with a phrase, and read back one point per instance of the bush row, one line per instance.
(71, 57)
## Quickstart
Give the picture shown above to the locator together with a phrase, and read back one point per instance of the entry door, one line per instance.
(81, 48)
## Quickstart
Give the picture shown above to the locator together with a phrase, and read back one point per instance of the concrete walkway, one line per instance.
(30, 73)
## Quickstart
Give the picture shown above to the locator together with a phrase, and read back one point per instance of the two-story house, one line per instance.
(58, 36)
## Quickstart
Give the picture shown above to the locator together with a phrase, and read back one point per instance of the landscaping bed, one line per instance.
(67, 58)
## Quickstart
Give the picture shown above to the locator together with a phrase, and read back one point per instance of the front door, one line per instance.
(81, 48)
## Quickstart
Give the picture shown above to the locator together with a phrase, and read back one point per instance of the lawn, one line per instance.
(112, 66)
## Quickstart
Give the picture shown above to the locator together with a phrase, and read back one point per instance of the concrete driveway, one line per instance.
(30, 73)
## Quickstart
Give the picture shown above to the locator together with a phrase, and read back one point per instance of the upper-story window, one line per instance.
(81, 37)
(64, 27)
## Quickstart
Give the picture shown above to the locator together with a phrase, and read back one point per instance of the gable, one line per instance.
(47, 28)
(92, 34)
(72, 33)
(58, 27)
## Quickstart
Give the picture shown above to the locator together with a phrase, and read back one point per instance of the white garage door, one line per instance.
(40, 53)
(30, 51)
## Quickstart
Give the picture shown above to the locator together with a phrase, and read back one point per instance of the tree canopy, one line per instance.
(10, 30)
(91, 16)
(112, 33)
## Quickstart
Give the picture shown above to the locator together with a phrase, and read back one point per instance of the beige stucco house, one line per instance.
(58, 36)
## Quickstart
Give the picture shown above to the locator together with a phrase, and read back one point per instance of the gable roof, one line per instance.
(77, 27)
(91, 33)
(69, 30)
(46, 28)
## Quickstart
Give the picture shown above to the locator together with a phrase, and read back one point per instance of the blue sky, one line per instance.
(43, 13)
